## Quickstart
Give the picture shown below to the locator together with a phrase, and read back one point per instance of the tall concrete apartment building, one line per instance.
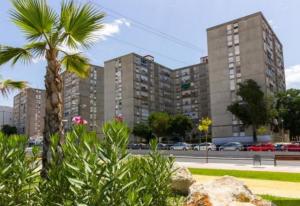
(191, 90)
(84, 97)
(135, 86)
(6, 116)
(245, 48)
(29, 112)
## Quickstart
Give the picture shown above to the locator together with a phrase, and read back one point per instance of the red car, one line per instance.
(261, 147)
(293, 147)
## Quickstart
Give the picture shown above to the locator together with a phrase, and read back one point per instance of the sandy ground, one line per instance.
(270, 187)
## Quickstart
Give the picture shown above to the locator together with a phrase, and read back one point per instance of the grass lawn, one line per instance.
(282, 201)
(279, 176)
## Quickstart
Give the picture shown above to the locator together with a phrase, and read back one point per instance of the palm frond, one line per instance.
(76, 63)
(14, 54)
(80, 23)
(34, 17)
(37, 49)
(8, 85)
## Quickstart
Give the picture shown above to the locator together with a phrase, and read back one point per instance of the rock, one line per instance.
(181, 180)
(225, 191)
(198, 199)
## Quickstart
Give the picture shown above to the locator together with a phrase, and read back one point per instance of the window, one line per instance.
(231, 73)
(236, 39)
(230, 59)
(229, 27)
(231, 65)
(232, 84)
(236, 25)
(237, 58)
(229, 38)
(237, 50)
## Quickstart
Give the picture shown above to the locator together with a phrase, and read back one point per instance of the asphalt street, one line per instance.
(230, 157)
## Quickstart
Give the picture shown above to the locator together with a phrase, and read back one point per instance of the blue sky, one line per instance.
(187, 20)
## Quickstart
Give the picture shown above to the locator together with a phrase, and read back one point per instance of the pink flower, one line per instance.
(119, 118)
(79, 120)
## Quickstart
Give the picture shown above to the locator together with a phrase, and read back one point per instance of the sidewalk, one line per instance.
(269, 168)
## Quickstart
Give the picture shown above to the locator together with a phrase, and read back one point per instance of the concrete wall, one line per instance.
(6, 116)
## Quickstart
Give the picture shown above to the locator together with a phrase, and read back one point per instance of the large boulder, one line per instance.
(225, 191)
(182, 179)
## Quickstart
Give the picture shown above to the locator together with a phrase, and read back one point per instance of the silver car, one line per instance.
(232, 146)
(181, 146)
(202, 147)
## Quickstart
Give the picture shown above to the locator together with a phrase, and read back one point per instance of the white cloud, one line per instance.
(292, 75)
(272, 24)
(112, 28)
(109, 29)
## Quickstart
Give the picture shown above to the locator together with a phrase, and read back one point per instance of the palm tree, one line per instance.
(52, 36)
(7, 85)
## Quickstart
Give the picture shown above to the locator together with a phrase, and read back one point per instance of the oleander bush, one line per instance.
(87, 170)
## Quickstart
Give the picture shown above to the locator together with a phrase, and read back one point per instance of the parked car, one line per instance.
(202, 147)
(293, 147)
(181, 146)
(162, 146)
(232, 146)
(280, 146)
(262, 147)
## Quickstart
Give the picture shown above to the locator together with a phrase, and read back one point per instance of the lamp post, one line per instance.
(282, 131)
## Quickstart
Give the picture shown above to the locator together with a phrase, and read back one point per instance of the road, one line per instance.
(234, 157)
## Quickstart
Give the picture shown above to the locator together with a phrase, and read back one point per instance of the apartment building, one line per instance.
(135, 86)
(29, 112)
(84, 97)
(191, 90)
(244, 48)
(6, 116)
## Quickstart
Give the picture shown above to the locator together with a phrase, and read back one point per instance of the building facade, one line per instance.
(245, 48)
(84, 97)
(191, 90)
(29, 112)
(135, 86)
(6, 116)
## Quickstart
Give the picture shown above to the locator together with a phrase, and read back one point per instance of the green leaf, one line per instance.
(34, 17)
(80, 24)
(14, 54)
(77, 183)
(76, 63)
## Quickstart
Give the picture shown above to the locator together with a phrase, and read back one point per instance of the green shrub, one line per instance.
(19, 173)
(87, 171)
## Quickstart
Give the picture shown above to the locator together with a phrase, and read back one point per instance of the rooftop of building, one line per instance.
(243, 19)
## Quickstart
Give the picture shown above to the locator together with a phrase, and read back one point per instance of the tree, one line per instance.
(288, 107)
(7, 85)
(204, 125)
(8, 130)
(53, 36)
(180, 125)
(142, 130)
(252, 108)
(159, 123)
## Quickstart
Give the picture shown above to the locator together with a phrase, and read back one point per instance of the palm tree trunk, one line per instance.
(53, 114)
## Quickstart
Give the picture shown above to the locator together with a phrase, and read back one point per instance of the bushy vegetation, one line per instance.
(86, 170)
